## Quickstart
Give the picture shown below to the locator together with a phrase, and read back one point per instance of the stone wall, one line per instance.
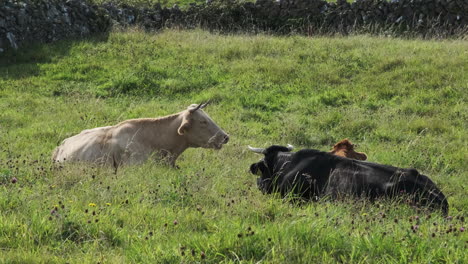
(46, 21)
(34, 21)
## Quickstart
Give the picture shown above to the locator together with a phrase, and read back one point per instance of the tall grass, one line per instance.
(403, 101)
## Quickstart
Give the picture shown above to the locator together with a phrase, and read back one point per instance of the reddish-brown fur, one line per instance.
(345, 148)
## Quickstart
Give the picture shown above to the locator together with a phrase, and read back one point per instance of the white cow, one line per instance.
(133, 141)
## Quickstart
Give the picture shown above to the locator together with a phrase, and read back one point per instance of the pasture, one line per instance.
(404, 102)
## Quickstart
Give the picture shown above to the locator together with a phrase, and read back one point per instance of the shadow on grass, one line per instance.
(25, 62)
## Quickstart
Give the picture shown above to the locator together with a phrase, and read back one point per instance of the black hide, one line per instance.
(311, 174)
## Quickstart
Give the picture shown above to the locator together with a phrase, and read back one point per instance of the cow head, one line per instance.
(269, 168)
(200, 130)
(345, 148)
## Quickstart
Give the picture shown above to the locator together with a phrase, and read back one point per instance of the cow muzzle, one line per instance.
(219, 140)
(254, 169)
(226, 139)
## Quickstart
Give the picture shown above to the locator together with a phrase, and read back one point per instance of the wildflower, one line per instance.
(175, 222)
(92, 204)
(462, 229)
(418, 220)
(108, 204)
(14, 180)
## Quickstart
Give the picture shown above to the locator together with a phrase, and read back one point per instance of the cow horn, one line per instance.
(196, 108)
(290, 147)
(205, 104)
(257, 150)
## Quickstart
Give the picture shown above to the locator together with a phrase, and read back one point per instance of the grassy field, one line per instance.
(403, 101)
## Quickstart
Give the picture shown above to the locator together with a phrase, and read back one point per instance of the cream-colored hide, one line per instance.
(133, 141)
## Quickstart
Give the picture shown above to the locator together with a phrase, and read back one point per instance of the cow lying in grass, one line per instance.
(134, 141)
(345, 148)
(311, 174)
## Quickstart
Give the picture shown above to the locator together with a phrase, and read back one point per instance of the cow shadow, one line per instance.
(27, 60)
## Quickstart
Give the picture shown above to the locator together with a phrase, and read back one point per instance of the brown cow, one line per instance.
(345, 148)
(134, 141)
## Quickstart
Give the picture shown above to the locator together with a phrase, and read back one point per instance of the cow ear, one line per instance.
(183, 128)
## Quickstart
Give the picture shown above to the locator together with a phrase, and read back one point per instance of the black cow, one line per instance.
(311, 174)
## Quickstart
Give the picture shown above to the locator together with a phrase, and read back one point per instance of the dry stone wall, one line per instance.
(45, 21)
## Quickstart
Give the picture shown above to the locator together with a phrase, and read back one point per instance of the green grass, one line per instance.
(403, 101)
